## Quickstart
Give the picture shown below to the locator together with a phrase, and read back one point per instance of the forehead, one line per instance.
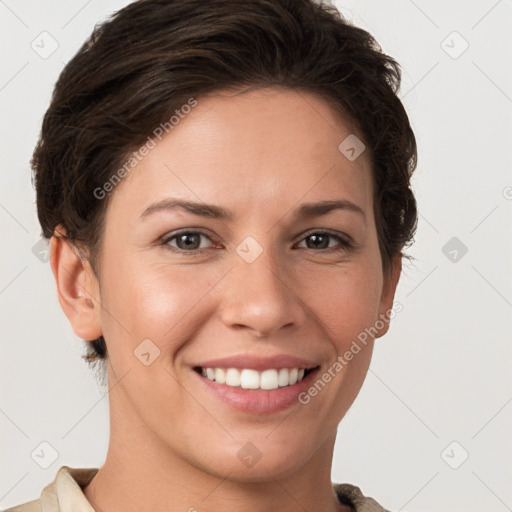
(271, 146)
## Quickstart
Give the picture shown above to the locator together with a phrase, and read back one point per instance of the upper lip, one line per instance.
(258, 362)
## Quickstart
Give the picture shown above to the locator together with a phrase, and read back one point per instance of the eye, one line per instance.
(191, 241)
(322, 239)
(187, 241)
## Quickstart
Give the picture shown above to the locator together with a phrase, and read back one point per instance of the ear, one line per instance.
(388, 294)
(77, 286)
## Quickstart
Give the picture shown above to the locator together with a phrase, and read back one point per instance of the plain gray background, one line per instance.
(431, 427)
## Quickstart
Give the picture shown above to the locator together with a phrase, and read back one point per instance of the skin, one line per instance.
(261, 155)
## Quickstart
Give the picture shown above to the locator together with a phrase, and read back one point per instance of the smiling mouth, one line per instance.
(247, 378)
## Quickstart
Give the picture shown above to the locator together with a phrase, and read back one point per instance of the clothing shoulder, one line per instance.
(349, 494)
(29, 506)
(65, 493)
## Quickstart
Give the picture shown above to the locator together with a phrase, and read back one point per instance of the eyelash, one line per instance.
(344, 245)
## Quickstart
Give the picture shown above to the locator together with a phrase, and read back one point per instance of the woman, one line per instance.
(226, 187)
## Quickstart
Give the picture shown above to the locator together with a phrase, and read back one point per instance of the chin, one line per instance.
(254, 461)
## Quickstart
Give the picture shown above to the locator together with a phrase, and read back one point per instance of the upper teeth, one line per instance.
(252, 379)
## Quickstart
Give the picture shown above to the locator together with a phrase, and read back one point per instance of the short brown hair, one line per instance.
(152, 56)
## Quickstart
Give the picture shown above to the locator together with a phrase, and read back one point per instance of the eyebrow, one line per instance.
(309, 210)
(305, 211)
(200, 209)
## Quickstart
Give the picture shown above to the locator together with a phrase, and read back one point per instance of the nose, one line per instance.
(259, 297)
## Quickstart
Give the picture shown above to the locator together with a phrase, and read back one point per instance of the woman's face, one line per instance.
(269, 279)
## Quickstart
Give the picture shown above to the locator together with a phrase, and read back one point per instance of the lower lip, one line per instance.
(258, 401)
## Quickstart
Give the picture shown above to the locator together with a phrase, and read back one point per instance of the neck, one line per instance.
(142, 473)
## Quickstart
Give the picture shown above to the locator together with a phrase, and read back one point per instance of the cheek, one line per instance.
(345, 301)
(159, 302)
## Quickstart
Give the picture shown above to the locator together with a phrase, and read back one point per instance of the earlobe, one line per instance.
(388, 295)
(77, 287)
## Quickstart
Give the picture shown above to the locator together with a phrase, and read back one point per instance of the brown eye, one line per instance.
(187, 241)
(318, 241)
(322, 240)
